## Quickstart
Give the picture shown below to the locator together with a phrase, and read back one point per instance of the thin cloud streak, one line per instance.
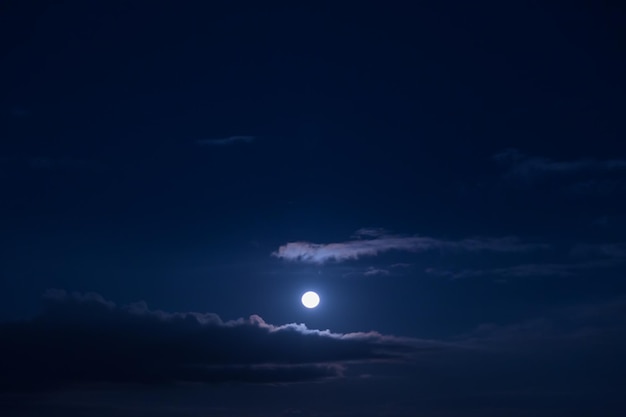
(527, 167)
(47, 164)
(370, 232)
(372, 271)
(586, 325)
(231, 140)
(525, 270)
(609, 250)
(597, 187)
(351, 250)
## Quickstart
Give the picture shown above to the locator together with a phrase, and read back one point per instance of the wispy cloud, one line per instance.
(370, 232)
(19, 111)
(597, 187)
(524, 270)
(583, 324)
(520, 165)
(372, 271)
(355, 249)
(584, 258)
(47, 163)
(231, 140)
(608, 250)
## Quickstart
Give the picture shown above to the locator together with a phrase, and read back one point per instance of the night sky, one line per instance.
(448, 176)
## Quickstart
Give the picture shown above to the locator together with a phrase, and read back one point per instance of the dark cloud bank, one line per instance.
(83, 338)
(82, 342)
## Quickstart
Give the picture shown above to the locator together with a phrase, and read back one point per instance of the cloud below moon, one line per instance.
(83, 338)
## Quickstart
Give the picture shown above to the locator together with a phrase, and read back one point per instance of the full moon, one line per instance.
(310, 299)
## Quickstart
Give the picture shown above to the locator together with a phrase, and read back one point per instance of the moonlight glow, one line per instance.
(310, 299)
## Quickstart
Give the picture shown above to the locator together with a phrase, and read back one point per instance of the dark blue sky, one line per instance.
(448, 175)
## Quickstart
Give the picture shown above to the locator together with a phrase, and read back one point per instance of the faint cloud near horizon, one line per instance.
(230, 140)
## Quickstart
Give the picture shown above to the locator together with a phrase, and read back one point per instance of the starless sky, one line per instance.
(448, 176)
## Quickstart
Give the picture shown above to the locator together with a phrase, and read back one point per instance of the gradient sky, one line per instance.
(450, 177)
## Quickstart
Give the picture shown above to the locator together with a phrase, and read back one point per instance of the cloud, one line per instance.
(585, 257)
(19, 111)
(46, 163)
(369, 232)
(231, 140)
(609, 250)
(582, 324)
(527, 270)
(597, 187)
(83, 338)
(528, 167)
(517, 271)
(355, 249)
(372, 271)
